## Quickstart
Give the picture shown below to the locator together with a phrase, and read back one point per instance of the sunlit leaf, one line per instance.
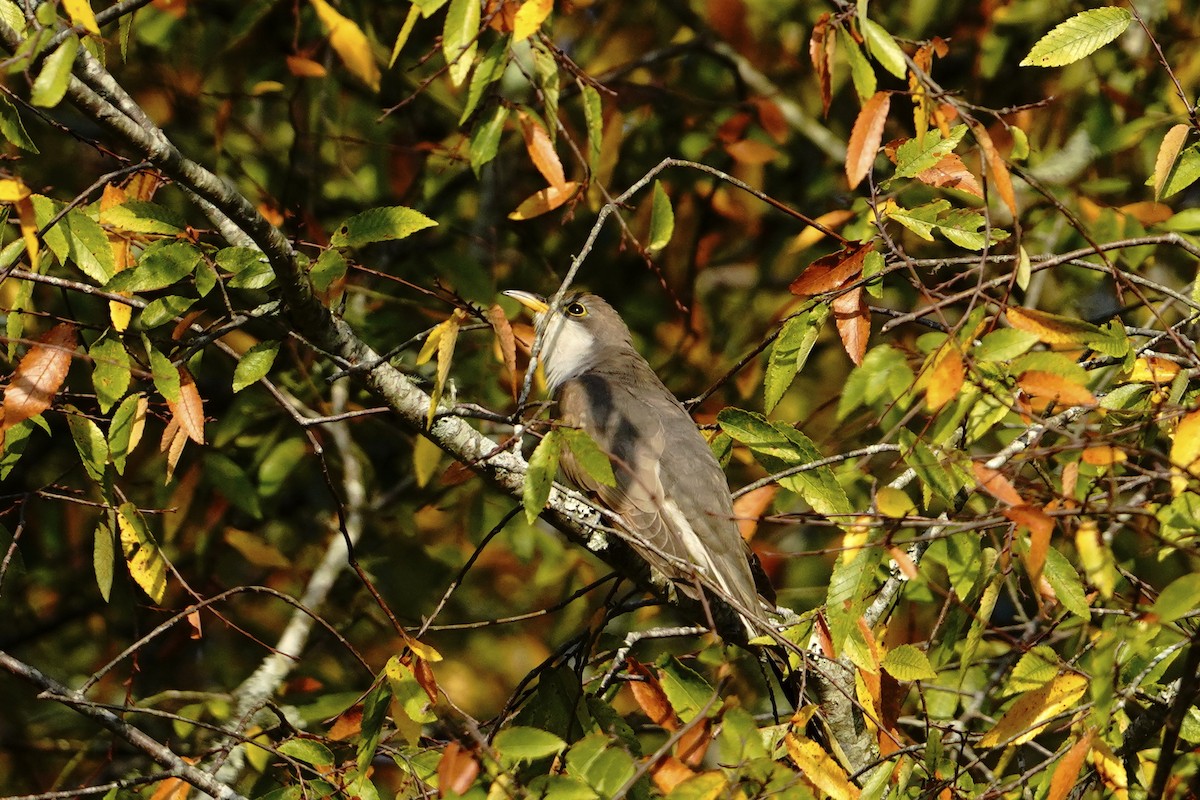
(907, 663)
(50, 86)
(254, 364)
(350, 43)
(103, 559)
(883, 47)
(662, 220)
(142, 555)
(820, 768)
(1033, 710)
(915, 156)
(39, 375)
(91, 445)
(380, 225)
(866, 136)
(541, 150)
(530, 17)
(520, 743)
(460, 36)
(790, 352)
(539, 479)
(1078, 37)
(545, 201)
(81, 14)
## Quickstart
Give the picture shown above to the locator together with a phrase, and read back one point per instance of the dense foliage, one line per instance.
(926, 271)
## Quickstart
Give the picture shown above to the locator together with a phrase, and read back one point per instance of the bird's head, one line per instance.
(576, 335)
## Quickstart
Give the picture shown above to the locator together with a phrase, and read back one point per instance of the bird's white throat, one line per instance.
(568, 350)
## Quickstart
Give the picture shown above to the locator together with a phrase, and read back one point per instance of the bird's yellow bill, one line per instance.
(528, 299)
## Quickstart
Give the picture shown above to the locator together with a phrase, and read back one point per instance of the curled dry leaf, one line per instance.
(1168, 151)
(853, 319)
(951, 173)
(866, 136)
(189, 411)
(651, 696)
(39, 375)
(545, 201)
(832, 271)
(997, 169)
(505, 341)
(820, 49)
(541, 151)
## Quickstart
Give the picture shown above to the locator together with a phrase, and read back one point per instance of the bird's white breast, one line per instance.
(568, 349)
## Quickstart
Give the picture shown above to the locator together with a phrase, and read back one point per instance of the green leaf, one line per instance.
(593, 114)
(485, 139)
(51, 83)
(1004, 344)
(91, 444)
(908, 663)
(605, 769)
(778, 447)
(279, 464)
(158, 268)
(1064, 580)
(861, 72)
(963, 228)
(1183, 174)
(128, 416)
(307, 751)
(460, 36)
(330, 267)
(930, 472)
(15, 440)
(375, 707)
(491, 69)
(588, 455)
(138, 216)
(254, 364)
(790, 352)
(1035, 669)
(76, 238)
(662, 219)
(12, 129)
(543, 466)
(110, 371)
(380, 225)
(1182, 596)
(883, 47)
(166, 376)
(687, 692)
(164, 309)
(921, 220)
(520, 743)
(1078, 37)
(104, 557)
(224, 475)
(915, 156)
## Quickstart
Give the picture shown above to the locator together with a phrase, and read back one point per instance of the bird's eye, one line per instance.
(576, 310)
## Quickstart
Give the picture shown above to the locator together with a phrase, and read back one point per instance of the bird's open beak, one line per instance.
(533, 302)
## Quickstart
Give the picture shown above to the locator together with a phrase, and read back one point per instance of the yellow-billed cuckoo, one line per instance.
(670, 492)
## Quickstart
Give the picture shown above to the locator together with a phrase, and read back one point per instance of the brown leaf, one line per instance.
(542, 152)
(996, 168)
(457, 770)
(832, 271)
(39, 375)
(423, 672)
(771, 118)
(189, 411)
(544, 201)
(348, 723)
(1066, 771)
(945, 377)
(751, 152)
(1048, 386)
(506, 342)
(853, 319)
(1168, 151)
(694, 742)
(1040, 526)
(820, 50)
(866, 136)
(650, 696)
(995, 484)
(748, 508)
(669, 772)
(951, 173)
(1051, 328)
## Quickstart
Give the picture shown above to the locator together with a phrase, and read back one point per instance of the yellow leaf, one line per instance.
(12, 190)
(431, 342)
(820, 768)
(29, 231)
(1110, 769)
(420, 649)
(1052, 328)
(350, 43)
(305, 67)
(1096, 558)
(405, 31)
(1103, 455)
(445, 354)
(426, 457)
(1168, 151)
(894, 503)
(145, 560)
(80, 12)
(1153, 369)
(545, 201)
(530, 17)
(1185, 445)
(1048, 386)
(945, 377)
(1033, 710)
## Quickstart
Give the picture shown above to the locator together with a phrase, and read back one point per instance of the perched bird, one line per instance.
(670, 492)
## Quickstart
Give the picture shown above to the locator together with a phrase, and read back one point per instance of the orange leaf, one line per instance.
(820, 768)
(995, 484)
(1168, 151)
(1052, 328)
(1048, 386)
(771, 118)
(305, 67)
(811, 235)
(1148, 213)
(832, 271)
(853, 319)
(1153, 369)
(348, 723)
(545, 201)
(1040, 526)
(649, 694)
(997, 168)
(172, 789)
(505, 341)
(423, 672)
(39, 375)
(748, 509)
(1103, 455)
(866, 136)
(694, 742)
(903, 562)
(189, 411)
(501, 14)
(669, 772)
(752, 153)
(457, 770)
(541, 151)
(951, 173)
(820, 50)
(945, 378)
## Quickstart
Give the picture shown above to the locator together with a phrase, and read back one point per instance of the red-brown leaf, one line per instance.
(832, 271)
(853, 319)
(506, 341)
(951, 173)
(39, 375)
(457, 770)
(997, 169)
(866, 136)
(651, 697)
(820, 50)
(542, 152)
(998, 486)
(189, 411)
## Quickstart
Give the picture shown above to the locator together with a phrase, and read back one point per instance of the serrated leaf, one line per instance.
(490, 69)
(1168, 153)
(307, 751)
(907, 663)
(380, 225)
(485, 139)
(350, 43)
(593, 113)
(1078, 37)
(883, 47)
(588, 455)
(104, 557)
(687, 692)
(861, 74)
(142, 555)
(125, 430)
(51, 83)
(254, 364)
(158, 268)
(91, 445)
(662, 219)
(188, 409)
(539, 478)
(165, 375)
(1031, 712)
(790, 352)
(1064, 580)
(520, 743)
(110, 371)
(139, 216)
(865, 137)
(1054, 329)
(460, 36)
(162, 310)
(916, 156)
(1183, 174)
(39, 375)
